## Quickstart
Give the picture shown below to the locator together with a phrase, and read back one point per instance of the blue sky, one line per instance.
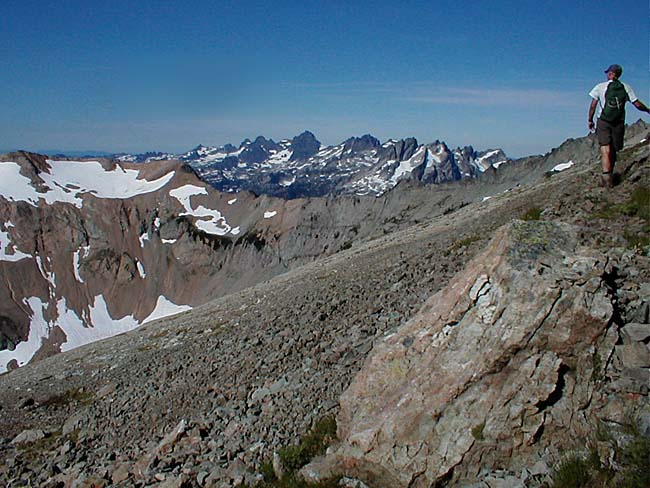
(164, 75)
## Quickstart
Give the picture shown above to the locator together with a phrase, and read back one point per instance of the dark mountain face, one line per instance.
(257, 151)
(356, 145)
(398, 151)
(304, 146)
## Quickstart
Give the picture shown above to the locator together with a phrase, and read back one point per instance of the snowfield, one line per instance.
(78, 332)
(67, 180)
(70, 182)
(562, 166)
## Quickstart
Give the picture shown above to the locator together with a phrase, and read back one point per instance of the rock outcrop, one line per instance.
(500, 365)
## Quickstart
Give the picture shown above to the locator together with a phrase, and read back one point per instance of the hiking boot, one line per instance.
(607, 180)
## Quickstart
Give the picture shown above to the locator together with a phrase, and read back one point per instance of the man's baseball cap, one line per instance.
(616, 69)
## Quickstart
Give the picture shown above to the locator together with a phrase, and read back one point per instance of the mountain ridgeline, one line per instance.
(301, 167)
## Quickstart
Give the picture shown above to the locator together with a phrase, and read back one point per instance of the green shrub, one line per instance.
(638, 204)
(313, 444)
(635, 460)
(632, 468)
(573, 472)
(634, 239)
(477, 432)
(533, 213)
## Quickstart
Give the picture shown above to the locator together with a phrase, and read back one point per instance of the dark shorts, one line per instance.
(610, 134)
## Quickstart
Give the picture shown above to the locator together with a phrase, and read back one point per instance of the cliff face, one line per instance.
(512, 348)
(90, 249)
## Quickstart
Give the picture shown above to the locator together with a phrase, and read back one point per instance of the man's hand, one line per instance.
(592, 112)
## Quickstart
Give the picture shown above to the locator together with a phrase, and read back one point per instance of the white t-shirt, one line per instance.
(598, 92)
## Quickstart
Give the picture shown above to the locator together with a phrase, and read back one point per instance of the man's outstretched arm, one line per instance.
(639, 105)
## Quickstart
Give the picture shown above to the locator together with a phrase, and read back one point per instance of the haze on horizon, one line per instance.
(124, 77)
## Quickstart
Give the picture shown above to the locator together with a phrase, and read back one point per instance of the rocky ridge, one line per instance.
(203, 398)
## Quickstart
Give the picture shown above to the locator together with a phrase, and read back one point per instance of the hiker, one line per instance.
(610, 97)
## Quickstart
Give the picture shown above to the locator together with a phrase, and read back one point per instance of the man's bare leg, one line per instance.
(607, 178)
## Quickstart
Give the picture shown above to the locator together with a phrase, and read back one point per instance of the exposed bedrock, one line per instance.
(495, 367)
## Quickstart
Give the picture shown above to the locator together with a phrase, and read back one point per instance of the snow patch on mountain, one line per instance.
(75, 266)
(184, 193)
(143, 238)
(165, 308)
(141, 270)
(67, 180)
(38, 330)
(282, 156)
(76, 262)
(562, 166)
(101, 325)
(209, 220)
(8, 251)
(14, 186)
(49, 275)
(287, 181)
(98, 324)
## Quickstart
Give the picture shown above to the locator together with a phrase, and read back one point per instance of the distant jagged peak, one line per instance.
(397, 150)
(439, 147)
(363, 143)
(263, 141)
(304, 146)
(490, 158)
(143, 157)
(258, 151)
(465, 151)
(305, 136)
(228, 148)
